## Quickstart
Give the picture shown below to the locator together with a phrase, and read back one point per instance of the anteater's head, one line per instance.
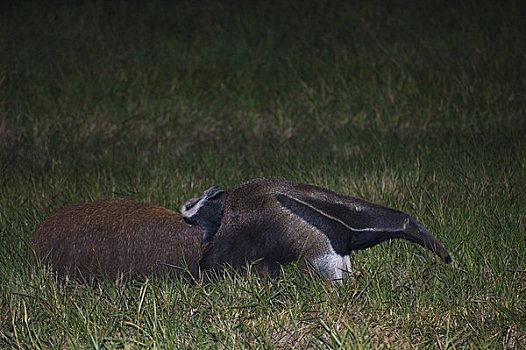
(205, 211)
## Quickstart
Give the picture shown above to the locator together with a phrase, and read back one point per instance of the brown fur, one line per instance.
(117, 236)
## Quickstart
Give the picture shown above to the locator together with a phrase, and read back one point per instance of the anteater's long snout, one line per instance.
(418, 233)
(432, 243)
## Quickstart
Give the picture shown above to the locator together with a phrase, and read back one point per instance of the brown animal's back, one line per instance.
(117, 236)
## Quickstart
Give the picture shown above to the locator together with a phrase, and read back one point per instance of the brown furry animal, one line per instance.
(117, 236)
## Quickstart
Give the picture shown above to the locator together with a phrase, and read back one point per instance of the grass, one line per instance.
(418, 106)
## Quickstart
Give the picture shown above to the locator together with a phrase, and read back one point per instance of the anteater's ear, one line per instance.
(213, 192)
(205, 211)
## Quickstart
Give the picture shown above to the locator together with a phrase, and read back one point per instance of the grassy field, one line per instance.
(418, 106)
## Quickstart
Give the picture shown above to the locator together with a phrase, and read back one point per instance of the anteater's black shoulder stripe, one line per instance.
(336, 231)
(348, 227)
(358, 215)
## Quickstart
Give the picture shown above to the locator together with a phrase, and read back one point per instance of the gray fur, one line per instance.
(205, 211)
(277, 221)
